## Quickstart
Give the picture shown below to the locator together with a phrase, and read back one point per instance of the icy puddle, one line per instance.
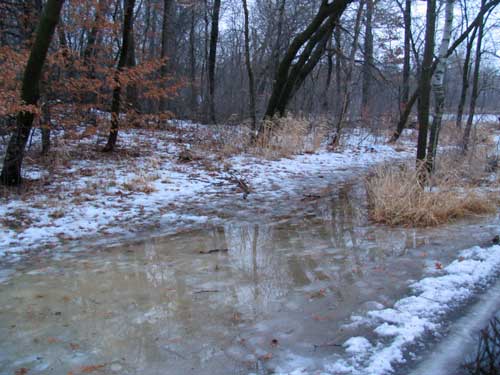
(237, 299)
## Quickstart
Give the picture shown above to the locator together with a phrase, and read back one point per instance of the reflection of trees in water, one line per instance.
(157, 270)
(353, 242)
(259, 265)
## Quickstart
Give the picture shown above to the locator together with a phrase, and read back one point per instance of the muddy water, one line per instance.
(276, 299)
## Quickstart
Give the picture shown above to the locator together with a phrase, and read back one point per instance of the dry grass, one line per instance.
(279, 138)
(287, 136)
(140, 184)
(396, 198)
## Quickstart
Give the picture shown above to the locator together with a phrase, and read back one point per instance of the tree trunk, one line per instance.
(30, 92)
(438, 85)
(475, 85)
(192, 63)
(132, 91)
(167, 48)
(128, 18)
(309, 42)
(212, 56)
(279, 34)
(251, 83)
(405, 91)
(425, 82)
(368, 60)
(329, 73)
(337, 36)
(45, 125)
(346, 96)
(465, 79)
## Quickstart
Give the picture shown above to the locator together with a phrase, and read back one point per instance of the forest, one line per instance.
(249, 187)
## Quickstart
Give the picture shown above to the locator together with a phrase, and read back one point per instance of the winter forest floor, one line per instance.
(151, 181)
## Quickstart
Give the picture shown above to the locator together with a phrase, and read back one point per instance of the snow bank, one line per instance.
(395, 329)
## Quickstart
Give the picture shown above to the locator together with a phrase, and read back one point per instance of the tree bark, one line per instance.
(251, 83)
(46, 125)
(405, 92)
(346, 96)
(465, 79)
(329, 73)
(438, 85)
(475, 85)
(425, 82)
(212, 56)
(128, 19)
(368, 60)
(30, 92)
(192, 63)
(167, 49)
(306, 43)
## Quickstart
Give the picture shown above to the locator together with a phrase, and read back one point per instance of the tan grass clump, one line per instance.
(396, 198)
(287, 136)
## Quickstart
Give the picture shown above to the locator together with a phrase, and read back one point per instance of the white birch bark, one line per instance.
(438, 82)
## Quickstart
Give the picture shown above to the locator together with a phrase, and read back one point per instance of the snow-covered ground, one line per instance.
(145, 184)
(394, 331)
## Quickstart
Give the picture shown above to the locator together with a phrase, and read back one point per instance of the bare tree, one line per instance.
(167, 44)
(346, 95)
(368, 59)
(465, 78)
(307, 48)
(438, 84)
(248, 60)
(212, 56)
(425, 82)
(30, 92)
(128, 19)
(475, 83)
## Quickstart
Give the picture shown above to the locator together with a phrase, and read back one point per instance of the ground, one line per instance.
(162, 179)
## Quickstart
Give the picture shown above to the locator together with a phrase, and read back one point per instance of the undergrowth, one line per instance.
(396, 197)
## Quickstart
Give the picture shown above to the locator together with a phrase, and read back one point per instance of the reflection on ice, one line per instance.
(280, 292)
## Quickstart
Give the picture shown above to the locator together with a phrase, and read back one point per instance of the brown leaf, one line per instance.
(266, 357)
(91, 368)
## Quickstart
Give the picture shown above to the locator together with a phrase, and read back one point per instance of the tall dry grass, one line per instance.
(287, 136)
(279, 138)
(396, 197)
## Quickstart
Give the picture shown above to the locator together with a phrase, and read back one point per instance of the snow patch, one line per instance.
(412, 317)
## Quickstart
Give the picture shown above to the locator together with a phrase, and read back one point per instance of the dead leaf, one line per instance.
(266, 357)
(439, 266)
(91, 368)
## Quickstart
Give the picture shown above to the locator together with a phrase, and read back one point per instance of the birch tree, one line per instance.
(438, 84)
